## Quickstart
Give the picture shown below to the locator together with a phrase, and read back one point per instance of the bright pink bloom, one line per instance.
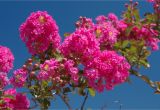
(17, 102)
(69, 68)
(106, 34)
(84, 22)
(48, 69)
(108, 67)
(10, 92)
(4, 81)
(78, 44)
(39, 31)
(6, 59)
(101, 19)
(112, 17)
(19, 78)
(148, 34)
(21, 102)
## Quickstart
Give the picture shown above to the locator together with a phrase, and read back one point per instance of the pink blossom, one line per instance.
(48, 69)
(147, 34)
(69, 67)
(21, 102)
(39, 31)
(10, 92)
(6, 59)
(17, 102)
(106, 34)
(108, 67)
(112, 17)
(101, 19)
(79, 43)
(84, 22)
(4, 81)
(19, 78)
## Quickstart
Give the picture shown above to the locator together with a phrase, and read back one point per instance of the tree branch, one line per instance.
(85, 99)
(65, 101)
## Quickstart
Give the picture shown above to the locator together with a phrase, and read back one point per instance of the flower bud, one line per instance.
(24, 67)
(30, 60)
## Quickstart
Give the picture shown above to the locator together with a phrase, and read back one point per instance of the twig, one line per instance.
(85, 99)
(65, 101)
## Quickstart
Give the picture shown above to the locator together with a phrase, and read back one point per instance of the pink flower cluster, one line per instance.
(19, 78)
(84, 23)
(108, 67)
(18, 102)
(70, 69)
(148, 34)
(80, 44)
(4, 81)
(106, 32)
(6, 59)
(49, 69)
(39, 31)
(53, 69)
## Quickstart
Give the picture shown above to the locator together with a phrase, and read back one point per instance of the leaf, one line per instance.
(144, 63)
(125, 43)
(66, 34)
(136, 15)
(92, 92)
(8, 96)
(44, 83)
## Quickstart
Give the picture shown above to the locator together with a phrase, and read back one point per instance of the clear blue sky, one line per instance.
(137, 95)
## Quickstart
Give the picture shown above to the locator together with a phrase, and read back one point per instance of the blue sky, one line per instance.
(137, 95)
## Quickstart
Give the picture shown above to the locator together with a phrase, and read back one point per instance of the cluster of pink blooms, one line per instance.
(79, 45)
(54, 69)
(105, 31)
(18, 102)
(13, 100)
(19, 78)
(4, 81)
(6, 59)
(109, 67)
(148, 34)
(70, 69)
(40, 31)
(48, 70)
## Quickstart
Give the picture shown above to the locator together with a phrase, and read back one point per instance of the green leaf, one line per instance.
(66, 34)
(144, 63)
(125, 43)
(8, 96)
(44, 83)
(136, 15)
(92, 92)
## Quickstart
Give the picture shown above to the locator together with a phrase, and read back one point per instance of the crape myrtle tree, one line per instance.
(96, 56)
